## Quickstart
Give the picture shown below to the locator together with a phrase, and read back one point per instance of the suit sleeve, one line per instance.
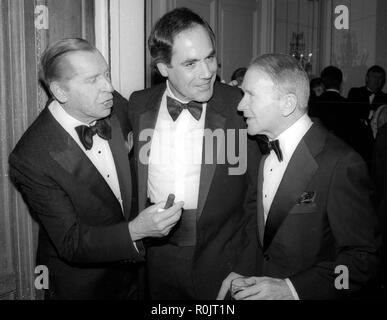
(74, 241)
(353, 224)
(247, 259)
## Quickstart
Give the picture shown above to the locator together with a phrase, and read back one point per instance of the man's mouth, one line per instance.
(205, 86)
(108, 103)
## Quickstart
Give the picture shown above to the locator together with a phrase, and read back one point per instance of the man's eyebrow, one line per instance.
(212, 53)
(246, 91)
(190, 61)
(96, 74)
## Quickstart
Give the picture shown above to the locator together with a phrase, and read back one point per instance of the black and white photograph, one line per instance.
(188, 155)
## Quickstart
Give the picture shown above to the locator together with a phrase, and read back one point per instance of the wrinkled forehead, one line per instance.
(186, 38)
(82, 63)
(256, 75)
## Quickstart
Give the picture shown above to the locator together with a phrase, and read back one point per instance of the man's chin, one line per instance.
(203, 97)
(251, 131)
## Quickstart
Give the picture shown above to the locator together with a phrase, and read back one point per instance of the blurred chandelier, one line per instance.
(297, 50)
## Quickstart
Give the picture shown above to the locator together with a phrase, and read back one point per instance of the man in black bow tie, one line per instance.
(181, 113)
(316, 224)
(72, 169)
(368, 98)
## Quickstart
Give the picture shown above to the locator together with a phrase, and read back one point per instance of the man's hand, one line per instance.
(265, 288)
(226, 285)
(153, 222)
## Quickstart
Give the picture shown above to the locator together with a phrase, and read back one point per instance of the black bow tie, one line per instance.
(176, 107)
(85, 133)
(266, 146)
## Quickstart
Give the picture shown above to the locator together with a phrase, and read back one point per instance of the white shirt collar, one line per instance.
(291, 137)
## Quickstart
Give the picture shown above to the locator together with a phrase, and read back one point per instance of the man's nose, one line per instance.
(206, 71)
(242, 104)
(107, 85)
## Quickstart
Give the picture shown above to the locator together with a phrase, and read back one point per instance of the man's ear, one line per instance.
(58, 92)
(163, 69)
(288, 104)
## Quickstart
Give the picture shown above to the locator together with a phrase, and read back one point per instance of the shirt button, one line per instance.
(265, 195)
(108, 175)
(99, 152)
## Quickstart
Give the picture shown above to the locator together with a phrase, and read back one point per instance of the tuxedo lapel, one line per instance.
(260, 217)
(71, 158)
(146, 125)
(299, 172)
(121, 160)
(214, 120)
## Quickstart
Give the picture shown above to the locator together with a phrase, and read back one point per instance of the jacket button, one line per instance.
(266, 257)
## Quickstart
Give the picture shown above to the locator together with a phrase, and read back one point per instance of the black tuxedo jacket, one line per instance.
(341, 117)
(360, 99)
(306, 240)
(379, 175)
(332, 109)
(223, 214)
(84, 238)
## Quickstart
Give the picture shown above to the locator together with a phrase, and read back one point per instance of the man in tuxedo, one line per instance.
(330, 107)
(368, 98)
(364, 101)
(315, 218)
(72, 169)
(339, 116)
(173, 123)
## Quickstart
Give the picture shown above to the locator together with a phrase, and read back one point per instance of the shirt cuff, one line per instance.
(292, 289)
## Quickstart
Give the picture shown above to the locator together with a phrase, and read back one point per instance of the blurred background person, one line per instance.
(237, 77)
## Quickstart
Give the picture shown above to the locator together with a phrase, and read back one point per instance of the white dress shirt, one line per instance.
(100, 154)
(274, 170)
(176, 155)
(371, 96)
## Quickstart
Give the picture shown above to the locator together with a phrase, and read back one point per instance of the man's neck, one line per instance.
(285, 126)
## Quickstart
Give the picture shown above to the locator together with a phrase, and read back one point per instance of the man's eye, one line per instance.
(92, 80)
(190, 64)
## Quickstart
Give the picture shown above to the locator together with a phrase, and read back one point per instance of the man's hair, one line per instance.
(316, 82)
(51, 62)
(161, 39)
(287, 75)
(240, 72)
(332, 77)
(376, 69)
(379, 70)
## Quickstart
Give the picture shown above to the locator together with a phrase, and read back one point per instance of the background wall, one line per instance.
(298, 16)
(353, 51)
(127, 42)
